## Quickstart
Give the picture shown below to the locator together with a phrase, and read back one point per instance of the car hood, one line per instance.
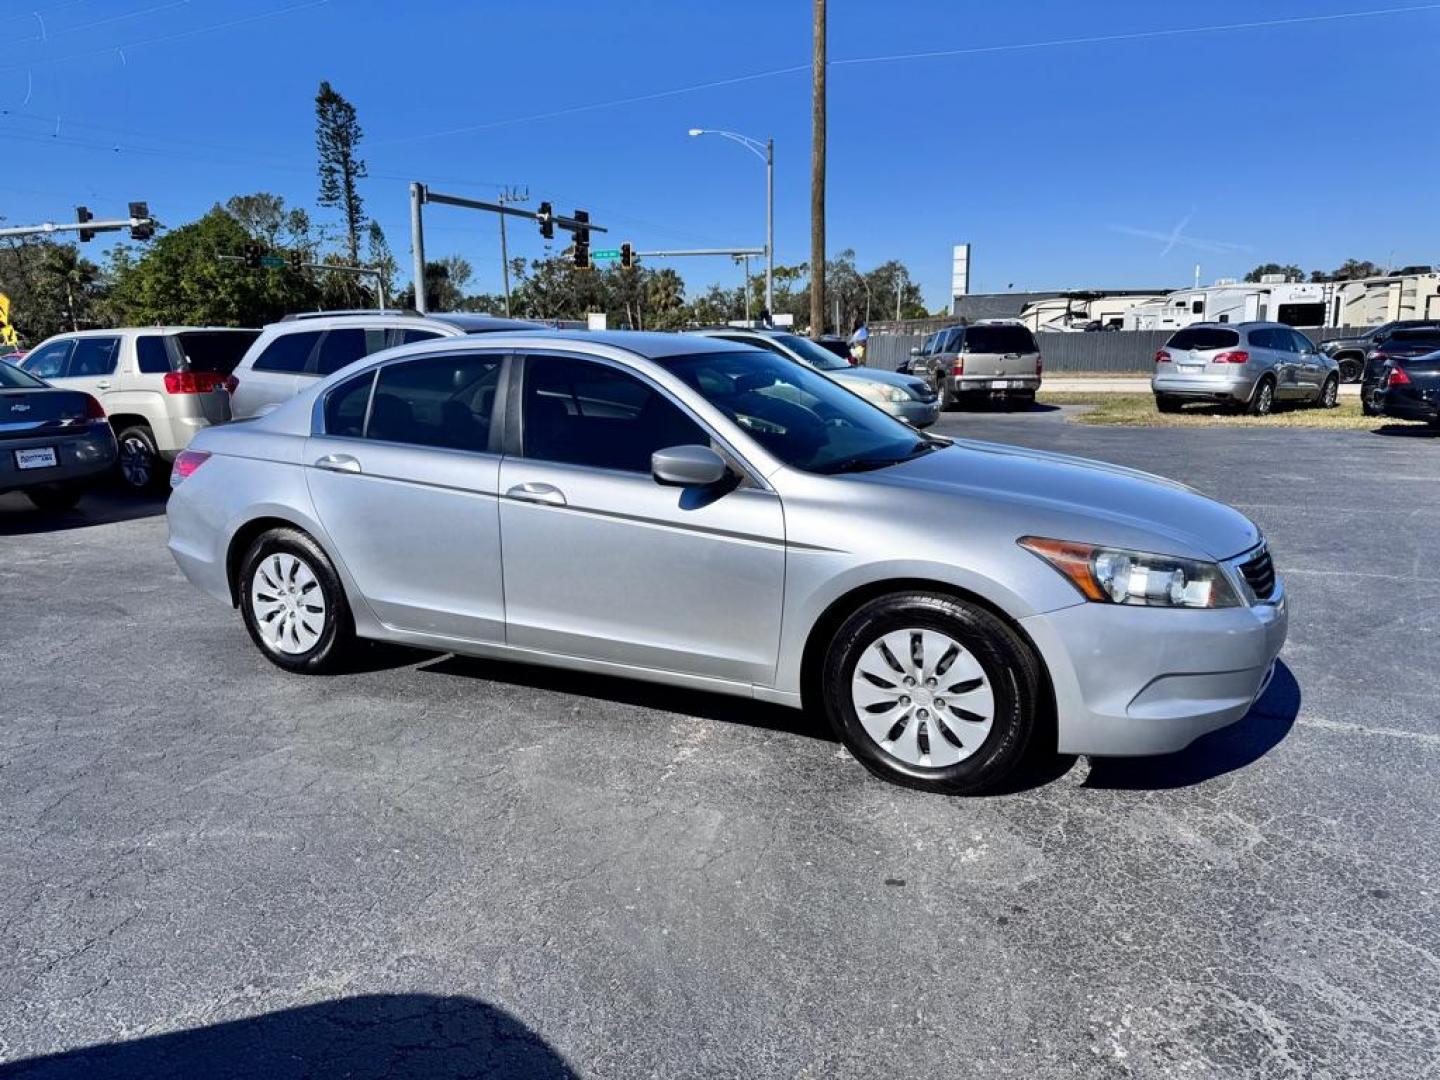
(1094, 501)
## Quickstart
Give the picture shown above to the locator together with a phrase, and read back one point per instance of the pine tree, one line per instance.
(337, 135)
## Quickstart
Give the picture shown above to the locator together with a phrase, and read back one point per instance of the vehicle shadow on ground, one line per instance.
(417, 1036)
(1242, 743)
(105, 505)
(698, 703)
(1411, 431)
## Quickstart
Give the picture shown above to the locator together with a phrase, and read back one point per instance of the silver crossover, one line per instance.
(1248, 366)
(706, 514)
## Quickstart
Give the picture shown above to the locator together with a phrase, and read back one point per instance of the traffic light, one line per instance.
(251, 254)
(83, 215)
(582, 240)
(297, 260)
(627, 256)
(545, 216)
(146, 229)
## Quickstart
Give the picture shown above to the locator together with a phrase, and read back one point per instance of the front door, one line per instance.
(93, 367)
(602, 562)
(403, 479)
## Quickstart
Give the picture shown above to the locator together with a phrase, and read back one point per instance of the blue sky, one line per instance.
(1297, 142)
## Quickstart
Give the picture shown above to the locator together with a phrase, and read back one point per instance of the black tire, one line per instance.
(140, 467)
(1329, 396)
(1021, 399)
(335, 647)
(55, 496)
(1262, 401)
(942, 391)
(1351, 368)
(1167, 404)
(1008, 664)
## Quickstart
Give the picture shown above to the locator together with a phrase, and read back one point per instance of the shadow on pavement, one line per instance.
(417, 1036)
(104, 505)
(1220, 752)
(698, 703)
(1411, 431)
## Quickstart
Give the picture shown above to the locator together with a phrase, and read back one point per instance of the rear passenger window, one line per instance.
(346, 405)
(153, 356)
(409, 337)
(441, 401)
(93, 356)
(288, 353)
(347, 345)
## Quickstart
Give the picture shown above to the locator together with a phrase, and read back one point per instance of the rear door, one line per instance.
(403, 477)
(1285, 360)
(277, 374)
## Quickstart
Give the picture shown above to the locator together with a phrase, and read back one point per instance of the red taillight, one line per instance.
(93, 409)
(191, 382)
(1039, 364)
(1162, 357)
(1397, 376)
(958, 368)
(231, 384)
(1239, 356)
(186, 462)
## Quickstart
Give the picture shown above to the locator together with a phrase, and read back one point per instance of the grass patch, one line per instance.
(1138, 410)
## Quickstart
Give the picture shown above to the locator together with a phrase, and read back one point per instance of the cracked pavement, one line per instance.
(623, 880)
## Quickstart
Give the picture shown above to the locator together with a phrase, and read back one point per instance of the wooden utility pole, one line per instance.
(817, 179)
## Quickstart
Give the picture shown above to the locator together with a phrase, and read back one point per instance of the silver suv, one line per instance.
(1249, 366)
(904, 397)
(158, 386)
(290, 355)
(966, 364)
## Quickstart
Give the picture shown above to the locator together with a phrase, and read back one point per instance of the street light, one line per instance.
(765, 152)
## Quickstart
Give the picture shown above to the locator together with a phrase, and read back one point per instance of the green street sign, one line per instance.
(272, 262)
(606, 253)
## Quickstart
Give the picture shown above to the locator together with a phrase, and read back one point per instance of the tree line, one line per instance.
(1349, 270)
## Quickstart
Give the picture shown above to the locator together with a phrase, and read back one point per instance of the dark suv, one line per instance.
(1350, 353)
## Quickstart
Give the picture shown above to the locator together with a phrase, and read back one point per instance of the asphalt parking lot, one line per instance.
(532, 873)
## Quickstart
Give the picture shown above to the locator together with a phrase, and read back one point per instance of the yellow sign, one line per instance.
(7, 332)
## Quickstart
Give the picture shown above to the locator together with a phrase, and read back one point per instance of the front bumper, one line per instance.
(1227, 387)
(1130, 681)
(81, 456)
(920, 414)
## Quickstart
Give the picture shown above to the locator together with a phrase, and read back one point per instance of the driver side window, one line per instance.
(578, 412)
(48, 362)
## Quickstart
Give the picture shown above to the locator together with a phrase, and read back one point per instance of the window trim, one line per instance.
(513, 445)
(117, 339)
(69, 342)
(496, 443)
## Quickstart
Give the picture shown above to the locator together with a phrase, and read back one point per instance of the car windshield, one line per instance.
(800, 416)
(13, 378)
(1415, 337)
(813, 354)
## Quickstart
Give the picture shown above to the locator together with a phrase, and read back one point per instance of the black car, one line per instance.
(1410, 389)
(1350, 353)
(1400, 344)
(54, 443)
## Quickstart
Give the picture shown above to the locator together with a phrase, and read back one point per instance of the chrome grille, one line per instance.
(1259, 573)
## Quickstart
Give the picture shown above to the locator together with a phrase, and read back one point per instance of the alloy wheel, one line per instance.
(1264, 399)
(288, 603)
(1332, 391)
(135, 463)
(923, 697)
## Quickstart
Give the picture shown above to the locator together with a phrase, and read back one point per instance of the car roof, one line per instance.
(649, 344)
(157, 330)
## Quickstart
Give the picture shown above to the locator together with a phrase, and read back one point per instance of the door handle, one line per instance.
(548, 494)
(103, 385)
(338, 463)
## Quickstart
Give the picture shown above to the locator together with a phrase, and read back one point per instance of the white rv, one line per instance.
(1229, 301)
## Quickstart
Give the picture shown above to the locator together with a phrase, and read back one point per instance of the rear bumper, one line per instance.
(1408, 407)
(1236, 387)
(81, 456)
(1132, 681)
(969, 384)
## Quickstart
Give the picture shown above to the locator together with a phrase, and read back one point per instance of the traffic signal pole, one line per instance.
(420, 194)
(141, 226)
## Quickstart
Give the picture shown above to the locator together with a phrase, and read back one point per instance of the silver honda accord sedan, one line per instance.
(705, 514)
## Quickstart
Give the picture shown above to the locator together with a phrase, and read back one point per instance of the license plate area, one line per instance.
(1000, 384)
(37, 457)
(1192, 369)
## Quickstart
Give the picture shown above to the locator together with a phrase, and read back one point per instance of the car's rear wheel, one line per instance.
(55, 496)
(1262, 401)
(932, 692)
(294, 605)
(1167, 404)
(139, 461)
(1329, 395)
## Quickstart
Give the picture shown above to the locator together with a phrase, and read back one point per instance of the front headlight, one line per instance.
(884, 392)
(1118, 576)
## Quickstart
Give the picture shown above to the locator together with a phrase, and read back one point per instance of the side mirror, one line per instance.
(687, 466)
(914, 350)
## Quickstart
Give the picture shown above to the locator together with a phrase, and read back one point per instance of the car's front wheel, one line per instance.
(932, 692)
(294, 605)
(1329, 394)
(1351, 368)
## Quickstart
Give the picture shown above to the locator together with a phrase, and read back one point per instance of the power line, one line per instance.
(99, 22)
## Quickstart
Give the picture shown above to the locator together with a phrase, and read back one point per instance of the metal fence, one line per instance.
(1108, 351)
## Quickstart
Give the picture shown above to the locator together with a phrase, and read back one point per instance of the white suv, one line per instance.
(158, 385)
(290, 355)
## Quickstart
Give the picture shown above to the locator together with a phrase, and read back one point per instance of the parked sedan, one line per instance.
(1399, 345)
(54, 443)
(1410, 388)
(1248, 366)
(904, 397)
(700, 513)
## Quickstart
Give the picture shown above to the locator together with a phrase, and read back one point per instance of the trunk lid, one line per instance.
(26, 414)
